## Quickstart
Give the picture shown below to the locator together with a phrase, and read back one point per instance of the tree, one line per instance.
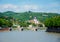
(2, 22)
(53, 22)
(5, 23)
(24, 24)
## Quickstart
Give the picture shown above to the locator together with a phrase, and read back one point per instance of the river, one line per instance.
(29, 36)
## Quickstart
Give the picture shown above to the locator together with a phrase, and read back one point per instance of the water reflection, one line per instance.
(29, 36)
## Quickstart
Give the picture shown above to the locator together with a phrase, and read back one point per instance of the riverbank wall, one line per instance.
(53, 29)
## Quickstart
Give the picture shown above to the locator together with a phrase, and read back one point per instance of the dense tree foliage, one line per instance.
(5, 23)
(53, 22)
(23, 24)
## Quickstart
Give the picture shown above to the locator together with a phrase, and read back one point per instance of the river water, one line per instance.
(29, 36)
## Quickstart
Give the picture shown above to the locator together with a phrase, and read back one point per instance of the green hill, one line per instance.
(23, 16)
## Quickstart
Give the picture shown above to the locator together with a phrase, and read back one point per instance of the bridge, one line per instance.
(32, 28)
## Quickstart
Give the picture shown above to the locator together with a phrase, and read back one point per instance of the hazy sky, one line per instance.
(32, 5)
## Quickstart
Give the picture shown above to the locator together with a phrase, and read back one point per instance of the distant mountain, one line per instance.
(9, 12)
(28, 15)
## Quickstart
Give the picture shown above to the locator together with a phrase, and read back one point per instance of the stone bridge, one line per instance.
(31, 28)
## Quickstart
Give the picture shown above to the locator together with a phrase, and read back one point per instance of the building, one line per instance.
(35, 21)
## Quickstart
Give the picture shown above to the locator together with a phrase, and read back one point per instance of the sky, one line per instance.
(52, 6)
